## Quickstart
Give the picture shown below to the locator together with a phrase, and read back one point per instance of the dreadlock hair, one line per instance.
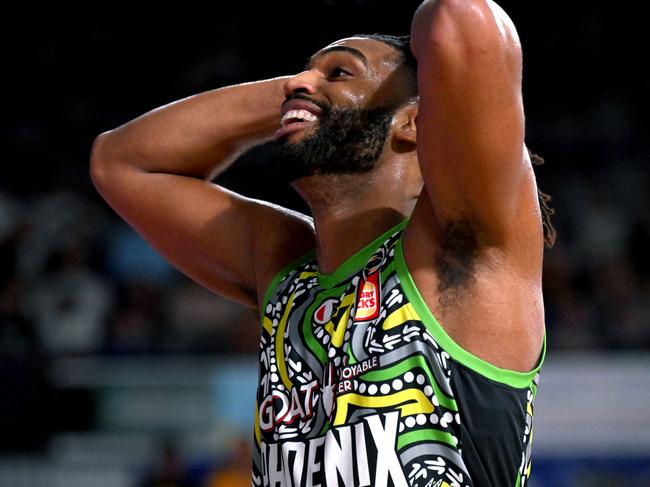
(550, 234)
(402, 44)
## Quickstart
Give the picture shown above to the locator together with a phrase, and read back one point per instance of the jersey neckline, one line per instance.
(357, 260)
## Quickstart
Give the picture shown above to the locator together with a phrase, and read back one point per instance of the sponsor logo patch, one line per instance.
(368, 299)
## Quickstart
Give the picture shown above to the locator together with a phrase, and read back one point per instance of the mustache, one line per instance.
(325, 107)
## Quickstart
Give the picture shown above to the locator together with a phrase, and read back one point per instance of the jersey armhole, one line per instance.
(518, 380)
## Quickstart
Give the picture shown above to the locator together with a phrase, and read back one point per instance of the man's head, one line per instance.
(341, 109)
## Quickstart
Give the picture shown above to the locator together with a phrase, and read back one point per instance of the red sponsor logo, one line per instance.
(368, 299)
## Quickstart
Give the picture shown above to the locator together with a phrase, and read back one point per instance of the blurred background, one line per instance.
(116, 370)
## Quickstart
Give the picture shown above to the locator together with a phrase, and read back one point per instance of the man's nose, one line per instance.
(304, 82)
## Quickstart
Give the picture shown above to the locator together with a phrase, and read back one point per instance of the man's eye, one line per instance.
(339, 72)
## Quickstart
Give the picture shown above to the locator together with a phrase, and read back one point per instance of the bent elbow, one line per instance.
(100, 160)
(97, 159)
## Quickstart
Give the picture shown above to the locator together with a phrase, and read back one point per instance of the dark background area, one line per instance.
(67, 79)
(68, 76)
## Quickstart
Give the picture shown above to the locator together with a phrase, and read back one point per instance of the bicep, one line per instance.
(470, 120)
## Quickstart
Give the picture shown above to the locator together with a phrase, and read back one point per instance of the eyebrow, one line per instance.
(349, 50)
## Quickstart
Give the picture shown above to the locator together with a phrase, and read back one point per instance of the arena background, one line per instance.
(117, 371)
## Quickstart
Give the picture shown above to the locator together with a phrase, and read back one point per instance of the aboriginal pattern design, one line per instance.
(355, 389)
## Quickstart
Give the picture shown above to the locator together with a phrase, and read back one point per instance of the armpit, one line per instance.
(456, 259)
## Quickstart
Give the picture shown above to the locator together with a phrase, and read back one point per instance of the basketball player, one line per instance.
(402, 327)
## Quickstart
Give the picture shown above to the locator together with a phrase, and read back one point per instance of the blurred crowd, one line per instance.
(77, 280)
(171, 469)
(597, 278)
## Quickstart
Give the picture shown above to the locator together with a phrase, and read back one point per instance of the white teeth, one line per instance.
(302, 115)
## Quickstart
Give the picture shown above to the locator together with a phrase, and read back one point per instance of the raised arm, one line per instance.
(471, 125)
(154, 171)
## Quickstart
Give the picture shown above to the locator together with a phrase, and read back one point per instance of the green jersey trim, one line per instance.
(512, 378)
(356, 261)
(346, 269)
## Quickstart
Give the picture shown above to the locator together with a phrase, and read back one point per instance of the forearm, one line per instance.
(198, 135)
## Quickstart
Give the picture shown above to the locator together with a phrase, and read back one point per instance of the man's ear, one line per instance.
(404, 129)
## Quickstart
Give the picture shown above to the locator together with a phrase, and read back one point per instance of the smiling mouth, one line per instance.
(295, 120)
(297, 116)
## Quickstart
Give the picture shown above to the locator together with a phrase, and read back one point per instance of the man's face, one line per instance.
(338, 112)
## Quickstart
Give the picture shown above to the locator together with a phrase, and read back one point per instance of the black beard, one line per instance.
(346, 141)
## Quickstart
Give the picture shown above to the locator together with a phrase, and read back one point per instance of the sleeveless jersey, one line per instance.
(359, 385)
